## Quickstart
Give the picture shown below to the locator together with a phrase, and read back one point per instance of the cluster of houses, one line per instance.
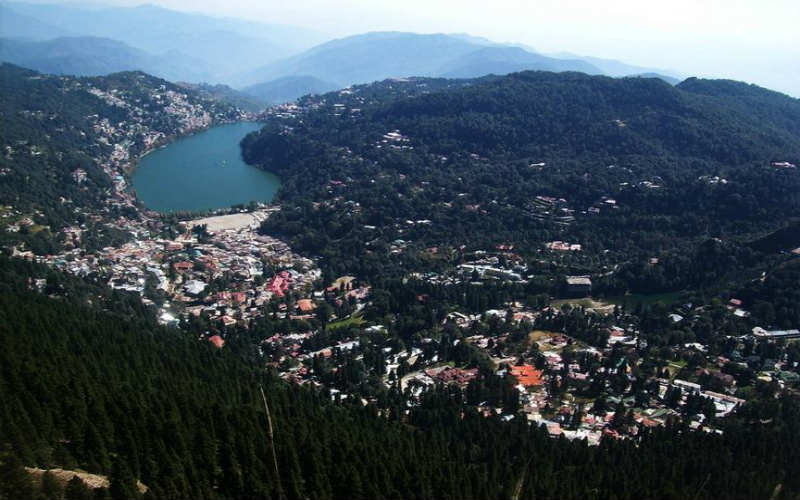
(181, 271)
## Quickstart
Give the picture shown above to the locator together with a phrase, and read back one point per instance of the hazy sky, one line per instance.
(752, 40)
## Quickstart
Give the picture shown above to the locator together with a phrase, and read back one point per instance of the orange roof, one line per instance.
(217, 341)
(305, 305)
(527, 375)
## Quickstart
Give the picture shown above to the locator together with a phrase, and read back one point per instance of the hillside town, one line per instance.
(519, 361)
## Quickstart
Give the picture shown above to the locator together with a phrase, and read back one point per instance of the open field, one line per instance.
(538, 335)
(230, 222)
(351, 321)
(674, 367)
(632, 300)
(587, 303)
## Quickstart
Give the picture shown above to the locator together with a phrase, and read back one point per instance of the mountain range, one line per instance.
(270, 62)
(376, 56)
(94, 56)
(212, 47)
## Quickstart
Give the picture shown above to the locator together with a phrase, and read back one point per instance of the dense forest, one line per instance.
(630, 168)
(110, 392)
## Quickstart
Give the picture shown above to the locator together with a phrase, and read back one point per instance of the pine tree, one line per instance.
(123, 484)
(77, 490)
(51, 487)
(15, 482)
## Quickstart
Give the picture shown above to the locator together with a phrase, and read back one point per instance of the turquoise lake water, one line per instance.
(201, 172)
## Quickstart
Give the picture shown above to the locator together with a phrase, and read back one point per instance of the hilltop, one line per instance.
(633, 154)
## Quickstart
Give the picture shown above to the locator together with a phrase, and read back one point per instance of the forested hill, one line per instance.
(771, 108)
(63, 140)
(575, 114)
(632, 155)
(100, 387)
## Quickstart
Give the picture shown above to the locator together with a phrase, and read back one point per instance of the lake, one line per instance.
(202, 172)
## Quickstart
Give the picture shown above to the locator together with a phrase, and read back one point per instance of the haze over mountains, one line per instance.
(271, 62)
(374, 56)
(215, 47)
(94, 56)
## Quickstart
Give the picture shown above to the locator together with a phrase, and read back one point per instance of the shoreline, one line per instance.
(130, 168)
(133, 163)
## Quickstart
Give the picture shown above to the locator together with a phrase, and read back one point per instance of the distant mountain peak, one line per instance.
(375, 56)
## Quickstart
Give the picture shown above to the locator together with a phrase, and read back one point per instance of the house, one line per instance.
(306, 305)
(564, 246)
(216, 341)
(183, 266)
(554, 429)
(360, 293)
(776, 334)
(579, 285)
(676, 318)
(453, 375)
(527, 375)
(687, 386)
(279, 285)
(194, 287)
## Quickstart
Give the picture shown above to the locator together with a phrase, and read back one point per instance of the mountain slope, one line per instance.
(612, 67)
(90, 381)
(92, 56)
(226, 94)
(64, 139)
(16, 25)
(773, 108)
(288, 88)
(669, 79)
(216, 46)
(576, 113)
(369, 57)
(376, 56)
(625, 156)
(504, 60)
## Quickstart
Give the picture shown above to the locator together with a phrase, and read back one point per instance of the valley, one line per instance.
(488, 272)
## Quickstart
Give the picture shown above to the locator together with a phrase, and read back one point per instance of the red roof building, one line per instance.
(306, 305)
(183, 266)
(454, 375)
(527, 375)
(217, 341)
(279, 284)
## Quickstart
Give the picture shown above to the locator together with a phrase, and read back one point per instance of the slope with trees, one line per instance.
(642, 168)
(100, 387)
